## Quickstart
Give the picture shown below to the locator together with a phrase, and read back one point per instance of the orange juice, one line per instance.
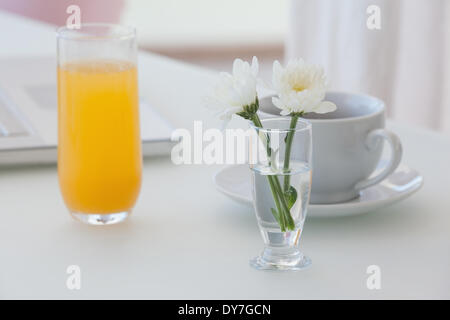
(99, 146)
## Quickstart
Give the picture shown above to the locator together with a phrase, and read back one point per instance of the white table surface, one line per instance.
(186, 240)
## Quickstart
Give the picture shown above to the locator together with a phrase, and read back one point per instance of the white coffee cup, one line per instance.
(347, 146)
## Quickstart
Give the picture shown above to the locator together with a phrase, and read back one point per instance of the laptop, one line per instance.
(28, 115)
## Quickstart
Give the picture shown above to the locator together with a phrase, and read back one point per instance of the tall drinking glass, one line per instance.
(99, 145)
(281, 165)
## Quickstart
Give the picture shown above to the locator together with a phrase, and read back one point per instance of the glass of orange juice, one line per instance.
(99, 146)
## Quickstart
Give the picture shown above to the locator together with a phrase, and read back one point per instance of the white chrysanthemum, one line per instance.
(301, 88)
(235, 91)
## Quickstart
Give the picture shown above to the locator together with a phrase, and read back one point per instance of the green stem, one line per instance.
(257, 121)
(277, 192)
(288, 218)
(281, 219)
(287, 155)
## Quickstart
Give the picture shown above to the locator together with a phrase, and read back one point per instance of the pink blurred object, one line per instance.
(54, 11)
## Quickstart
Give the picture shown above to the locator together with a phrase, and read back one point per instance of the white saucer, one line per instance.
(235, 182)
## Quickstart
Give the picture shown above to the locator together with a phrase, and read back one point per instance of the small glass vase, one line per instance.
(280, 160)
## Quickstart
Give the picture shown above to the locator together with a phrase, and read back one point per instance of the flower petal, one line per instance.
(300, 87)
(238, 66)
(236, 90)
(226, 114)
(325, 107)
(277, 68)
(255, 66)
(277, 103)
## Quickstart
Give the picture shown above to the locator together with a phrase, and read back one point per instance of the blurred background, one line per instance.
(406, 61)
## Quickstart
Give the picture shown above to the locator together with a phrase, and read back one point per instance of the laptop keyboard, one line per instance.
(10, 123)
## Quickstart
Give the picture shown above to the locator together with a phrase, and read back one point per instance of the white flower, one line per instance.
(235, 91)
(300, 87)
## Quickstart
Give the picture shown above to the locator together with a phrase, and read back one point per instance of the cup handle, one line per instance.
(372, 141)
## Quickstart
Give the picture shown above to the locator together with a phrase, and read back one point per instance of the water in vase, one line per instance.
(300, 179)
